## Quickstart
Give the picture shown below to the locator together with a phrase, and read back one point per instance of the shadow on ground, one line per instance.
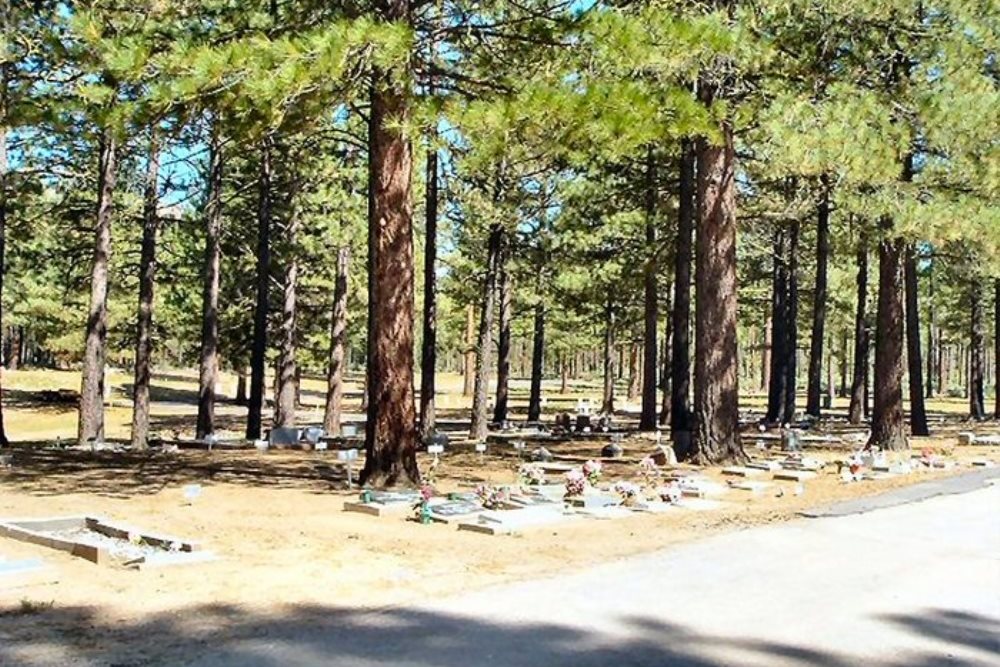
(50, 472)
(317, 635)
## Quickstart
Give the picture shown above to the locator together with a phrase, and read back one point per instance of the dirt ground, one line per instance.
(276, 521)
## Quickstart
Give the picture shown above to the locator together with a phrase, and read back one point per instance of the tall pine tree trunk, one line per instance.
(634, 372)
(478, 426)
(208, 375)
(813, 391)
(469, 360)
(650, 373)
(505, 290)
(765, 354)
(286, 394)
(258, 350)
(15, 343)
(537, 363)
(563, 372)
(428, 351)
(608, 395)
(931, 334)
(918, 414)
(680, 358)
(887, 416)
(792, 336)
(144, 316)
(666, 367)
(241, 387)
(857, 409)
(91, 424)
(778, 375)
(977, 404)
(716, 383)
(996, 348)
(332, 412)
(391, 435)
(4, 26)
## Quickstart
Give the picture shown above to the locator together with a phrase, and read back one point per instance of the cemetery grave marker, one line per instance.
(103, 542)
(794, 475)
(384, 503)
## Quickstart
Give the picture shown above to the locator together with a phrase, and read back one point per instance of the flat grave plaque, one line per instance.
(384, 503)
(768, 466)
(592, 500)
(505, 522)
(794, 475)
(742, 471)
(452, 511)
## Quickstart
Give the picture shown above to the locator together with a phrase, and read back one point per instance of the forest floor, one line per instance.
(276, 521)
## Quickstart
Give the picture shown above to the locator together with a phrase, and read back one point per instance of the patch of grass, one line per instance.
(28, 607)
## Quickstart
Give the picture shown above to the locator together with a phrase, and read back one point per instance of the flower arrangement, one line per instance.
(592, 472)
(421, 509)
(628, 492)
(531, 474)
(649, 470)
(576, 482)
(492, 497)
(670, 493)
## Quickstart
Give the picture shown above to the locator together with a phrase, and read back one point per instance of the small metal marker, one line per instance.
(519, 446)
(348, 456)
(435, 450)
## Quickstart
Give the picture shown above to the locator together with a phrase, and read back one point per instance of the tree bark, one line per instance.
(391, 435)
(778, 376)
(765, 355)
(15, 344)
(977, 404)
(505, 290)
(680, 356)
(91, 423)
(857, 410)
(4, 74)
(665, 365)
(634, 377)
(469, 365)
(428, 351)
(813, 391)
(144, 316)
(918, 413)
(887, 416)
(792, 336)
(996, 349)
(478, 427)
(208, 376)
(286, 393)
(716, 383)
(258, 350)
(241, 387)
(608, 396)
(332, 412)
(931, 334)
(650, 372)
(537, 363)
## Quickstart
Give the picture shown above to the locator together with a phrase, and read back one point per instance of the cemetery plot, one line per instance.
(506, 522)
(384, 503)
(103, 542)
(451, 511)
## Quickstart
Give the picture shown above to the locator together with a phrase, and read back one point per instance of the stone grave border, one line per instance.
(33, 531)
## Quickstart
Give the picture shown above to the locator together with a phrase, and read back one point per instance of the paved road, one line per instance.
(915, 585)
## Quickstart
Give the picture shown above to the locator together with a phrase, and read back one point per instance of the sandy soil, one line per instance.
(277, 523)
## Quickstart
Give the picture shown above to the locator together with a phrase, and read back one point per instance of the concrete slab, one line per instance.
(742, 471)
(794, 475)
